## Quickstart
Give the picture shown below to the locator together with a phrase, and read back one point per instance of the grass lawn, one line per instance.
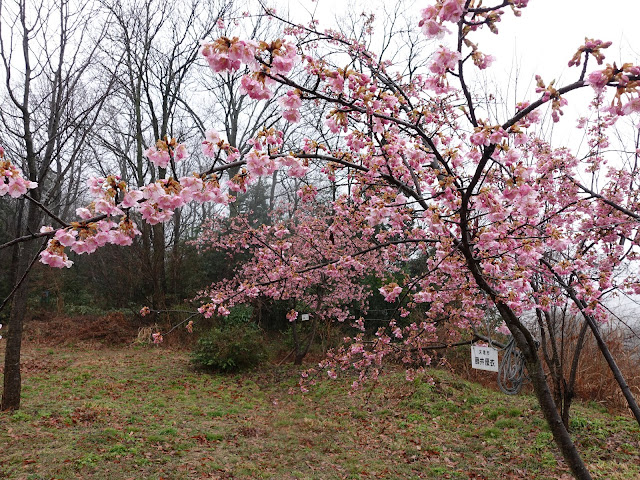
(143, 413)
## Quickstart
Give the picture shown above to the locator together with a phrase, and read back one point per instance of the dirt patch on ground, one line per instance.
(32, 363)
(108, 330)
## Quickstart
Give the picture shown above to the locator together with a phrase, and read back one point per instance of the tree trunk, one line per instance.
(297, 359)
(527, 346)
(301, 351)
(12, 384)
(21, 264)
(300, 354)
(158, 268)
(554, 420)
(175, 280)
(569, 387)
(22, 261)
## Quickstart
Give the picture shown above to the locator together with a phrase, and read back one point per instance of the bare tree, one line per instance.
(53, 96)
(159, 53)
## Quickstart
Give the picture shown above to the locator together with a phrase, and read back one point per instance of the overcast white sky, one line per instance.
(548, 30)
(544, 38)
(541, 41)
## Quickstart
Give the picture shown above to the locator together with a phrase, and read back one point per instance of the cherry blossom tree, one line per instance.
(316, 262)
(509, 221)
(503, 207)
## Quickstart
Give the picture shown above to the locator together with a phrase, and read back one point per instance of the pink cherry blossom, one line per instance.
(430, 26)
(297, 170)
(451, 11)
(260, 165)
(291, 116)
(17, 187)
(284, 59)
(291, 100)
(66, 237)
(160, 158)
(391, 291)
(631, 106)
(444, 59)
(84, 213)
(597, 79)
(12, 182)
(256, 89)
(131, 198)
(481, 60)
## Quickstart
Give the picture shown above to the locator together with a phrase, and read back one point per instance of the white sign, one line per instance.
(484, 358)
(304, 317)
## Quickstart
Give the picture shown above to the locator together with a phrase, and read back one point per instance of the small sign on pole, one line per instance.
(304, 317)
(484, 358)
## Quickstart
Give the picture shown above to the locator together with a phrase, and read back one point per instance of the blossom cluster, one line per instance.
(291, 103)
(155, 203)
(229, 54)
(443, 11)
(12, 182)
(592, 47)
(266, 61)
(627, 81)
(164, 151)
(86, 237)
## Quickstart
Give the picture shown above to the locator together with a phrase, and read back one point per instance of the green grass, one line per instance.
(144, 413)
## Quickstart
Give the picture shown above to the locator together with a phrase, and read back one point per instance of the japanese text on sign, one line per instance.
(484, 358)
